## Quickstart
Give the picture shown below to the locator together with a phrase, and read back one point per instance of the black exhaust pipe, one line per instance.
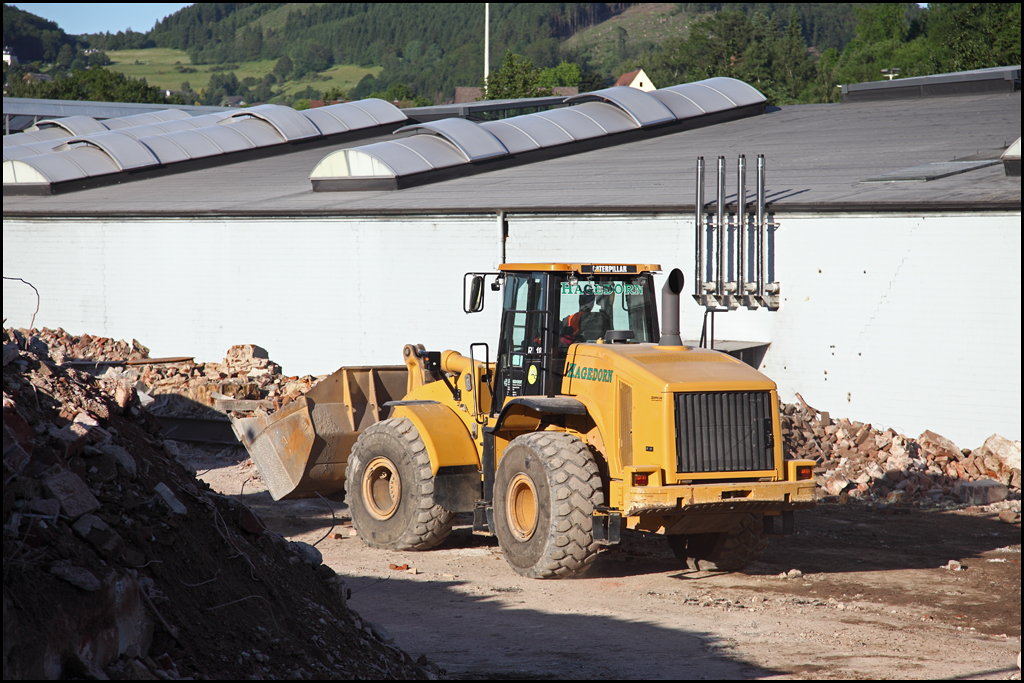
(670, 309)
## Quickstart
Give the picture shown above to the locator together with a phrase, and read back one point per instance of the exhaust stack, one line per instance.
(670, 309)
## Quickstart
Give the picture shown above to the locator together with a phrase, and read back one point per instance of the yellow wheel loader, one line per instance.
(588, 420)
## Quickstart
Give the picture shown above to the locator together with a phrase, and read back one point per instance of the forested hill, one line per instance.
(33, 38)
(432, 47)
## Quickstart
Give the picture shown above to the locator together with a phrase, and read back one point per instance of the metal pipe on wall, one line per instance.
(720, 228)
(762, 247)
(741, 224)
(699, 227)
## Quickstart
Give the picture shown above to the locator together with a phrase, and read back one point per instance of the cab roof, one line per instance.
(583, 268)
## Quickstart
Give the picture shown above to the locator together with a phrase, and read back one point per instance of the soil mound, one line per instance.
(119, 563)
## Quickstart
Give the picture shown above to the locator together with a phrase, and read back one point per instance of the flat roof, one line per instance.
(817, 157)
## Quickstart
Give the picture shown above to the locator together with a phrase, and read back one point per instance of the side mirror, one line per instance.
(476, 294)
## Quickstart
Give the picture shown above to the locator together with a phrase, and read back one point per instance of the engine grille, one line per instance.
(724, 431)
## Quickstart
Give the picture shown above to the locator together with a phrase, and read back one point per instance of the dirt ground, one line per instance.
(874, 599)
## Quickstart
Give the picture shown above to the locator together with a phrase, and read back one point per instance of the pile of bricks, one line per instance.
(246, 374)
(119, 563)
(855, 460)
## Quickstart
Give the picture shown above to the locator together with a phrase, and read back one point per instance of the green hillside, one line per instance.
(167, 69)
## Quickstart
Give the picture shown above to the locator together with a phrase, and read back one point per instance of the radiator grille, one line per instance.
(724, 431)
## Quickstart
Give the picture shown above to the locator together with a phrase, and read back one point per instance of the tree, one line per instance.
(516, 78)
(283, 67)
(565, 74)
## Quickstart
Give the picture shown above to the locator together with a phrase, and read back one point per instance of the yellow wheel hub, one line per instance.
(382, 488)
(522, 509)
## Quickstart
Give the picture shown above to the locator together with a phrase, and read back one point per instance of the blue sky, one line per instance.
(79, 17)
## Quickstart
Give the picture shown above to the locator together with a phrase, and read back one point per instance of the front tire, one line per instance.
(546, 487)
(390, 489)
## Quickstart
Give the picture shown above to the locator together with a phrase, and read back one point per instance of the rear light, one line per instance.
(639, 479)
(804, 472)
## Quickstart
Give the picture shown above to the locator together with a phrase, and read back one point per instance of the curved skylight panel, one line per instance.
(401, 159)
(291, 124)
(17, 172)
(741, 93)
(62, 167)
(641, 107)
(141, 131)
(546, 133)
(154, 117)
(75, 125)
(182, 124)
(474, 142)
(30, 150)
(609, 117)
(224, 137)
(195, 145)
(93, 161)
(32, 172)
(679, 104)
(350, 163)
(28, 137)
(166, 151)
(514, 139)
(325, 122)
(379, 111)
(259, 133)
(127, 152)
(708, 99)
(578, 125)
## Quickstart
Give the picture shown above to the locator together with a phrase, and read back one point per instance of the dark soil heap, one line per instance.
(119, 563)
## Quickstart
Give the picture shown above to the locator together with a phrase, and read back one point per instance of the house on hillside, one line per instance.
(636, 79)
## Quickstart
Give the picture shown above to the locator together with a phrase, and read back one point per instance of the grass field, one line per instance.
(653, 22)
(158, 66)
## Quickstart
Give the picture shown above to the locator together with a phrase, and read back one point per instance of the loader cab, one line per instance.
(546, 308)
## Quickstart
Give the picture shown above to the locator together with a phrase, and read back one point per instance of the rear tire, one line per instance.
(390, 489)
(546, 487)
(725, 551)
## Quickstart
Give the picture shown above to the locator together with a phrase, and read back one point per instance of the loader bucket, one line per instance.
(302, 449)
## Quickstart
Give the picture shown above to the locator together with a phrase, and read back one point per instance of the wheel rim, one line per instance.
(522, 509)
(382, 488)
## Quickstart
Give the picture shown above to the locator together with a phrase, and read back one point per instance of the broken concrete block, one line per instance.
(980, 492)
(168, 497)
(11, 353)
(938, 445)
(74, 496)
(306, 553)
(99, 533)
(76, 576)
(123, 458)
(71, 438)
(49, 507)
(1001, 449)
(835, 484)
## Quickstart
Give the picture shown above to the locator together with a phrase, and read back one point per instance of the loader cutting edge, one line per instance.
(302, 449)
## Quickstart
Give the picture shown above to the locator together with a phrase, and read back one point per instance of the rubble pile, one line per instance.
(246, 374)
(856, 460)
(119, 563)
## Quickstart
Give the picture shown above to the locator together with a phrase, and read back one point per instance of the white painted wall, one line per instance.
(912, 322)
(317, 294)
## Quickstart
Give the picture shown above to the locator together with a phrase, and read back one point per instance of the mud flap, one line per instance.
(608, 528)
(457, 488)
(788, 524)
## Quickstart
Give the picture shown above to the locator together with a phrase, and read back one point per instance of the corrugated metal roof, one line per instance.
(599, 116)
(816, 154)
(157, 140)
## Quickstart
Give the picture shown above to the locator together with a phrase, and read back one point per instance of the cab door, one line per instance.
(525, 347)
